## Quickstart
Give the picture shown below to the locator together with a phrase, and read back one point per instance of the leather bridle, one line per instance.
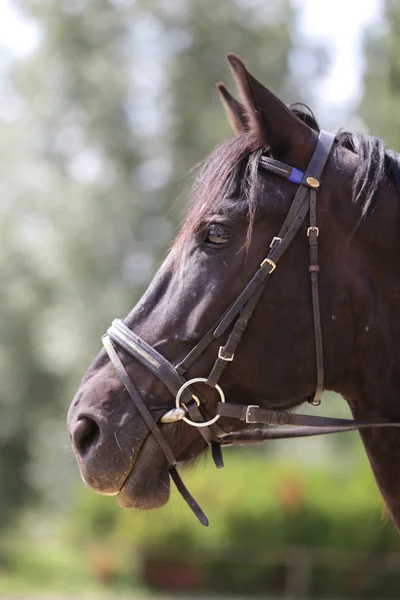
(189, 403)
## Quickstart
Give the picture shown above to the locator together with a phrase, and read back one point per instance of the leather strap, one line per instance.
(243, 307)
(313, 268)
(321, 154)
(309, 424)
(142, 351)
(303, 202)
(186, 495)
(259, 435)
(314, 170)
(164, 370)
(153, 428)
(290, 226)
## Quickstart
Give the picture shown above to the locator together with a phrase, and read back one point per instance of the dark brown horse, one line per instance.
(236, 212)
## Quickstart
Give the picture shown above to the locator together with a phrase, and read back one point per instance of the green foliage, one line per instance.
(100, 124)
(31, 568)
(258, 502)
(264, 517)
(380, 103)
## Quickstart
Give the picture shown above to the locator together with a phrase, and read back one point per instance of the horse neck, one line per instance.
(373, 390)
(382, 403)
(379, 242)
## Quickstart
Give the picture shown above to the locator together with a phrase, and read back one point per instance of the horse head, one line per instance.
(243, 198)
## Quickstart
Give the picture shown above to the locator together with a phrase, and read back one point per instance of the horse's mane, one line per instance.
(231, 172)
(375, 165)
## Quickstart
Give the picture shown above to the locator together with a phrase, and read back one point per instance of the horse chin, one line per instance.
(147, 486)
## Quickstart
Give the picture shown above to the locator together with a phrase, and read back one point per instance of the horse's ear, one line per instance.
(235, 110)
(272, 123)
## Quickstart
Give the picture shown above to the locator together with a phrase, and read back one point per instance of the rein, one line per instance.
(189, 403)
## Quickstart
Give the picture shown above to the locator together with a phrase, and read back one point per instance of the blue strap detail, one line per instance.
(296, 176)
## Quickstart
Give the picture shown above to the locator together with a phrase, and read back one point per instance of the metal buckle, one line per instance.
(315, 229)
(275, 240)
(227, 358)
(270, 262)
(248, 410)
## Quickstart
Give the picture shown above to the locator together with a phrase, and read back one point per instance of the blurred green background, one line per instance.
(105, 107)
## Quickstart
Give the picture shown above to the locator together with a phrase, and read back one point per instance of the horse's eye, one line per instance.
(217, 235)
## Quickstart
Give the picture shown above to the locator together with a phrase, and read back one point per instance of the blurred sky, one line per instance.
(340, 23)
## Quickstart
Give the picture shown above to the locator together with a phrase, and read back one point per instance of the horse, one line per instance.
(282, 282)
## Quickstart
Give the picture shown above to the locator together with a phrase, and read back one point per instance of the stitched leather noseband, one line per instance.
(190, 405)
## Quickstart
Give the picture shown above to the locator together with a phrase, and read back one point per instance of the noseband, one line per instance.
(190, 405)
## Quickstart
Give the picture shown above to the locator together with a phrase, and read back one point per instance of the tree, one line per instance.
(380, 104)
(115, 105)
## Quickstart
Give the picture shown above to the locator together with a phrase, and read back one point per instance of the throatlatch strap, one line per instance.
(313, 233)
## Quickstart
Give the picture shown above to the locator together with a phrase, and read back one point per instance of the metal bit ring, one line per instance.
(183, 388)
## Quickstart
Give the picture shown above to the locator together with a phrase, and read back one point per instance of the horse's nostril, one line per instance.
(85, 435)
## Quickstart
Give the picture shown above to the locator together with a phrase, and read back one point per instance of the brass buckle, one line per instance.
(227, 358)
(315, 229)
(248, 411)
(270, 262)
